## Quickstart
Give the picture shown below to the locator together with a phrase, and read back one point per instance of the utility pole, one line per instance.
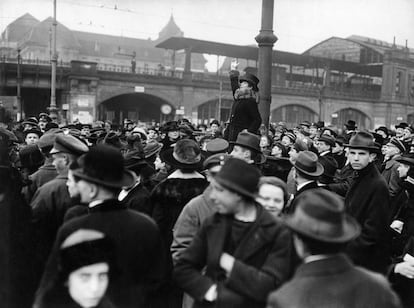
(266, 40)
(19, 79)
(53, 108)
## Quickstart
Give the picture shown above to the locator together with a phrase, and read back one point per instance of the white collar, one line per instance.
(95, 203)
(324, 153)
(178, 174)
(313, 258)
(303, 184)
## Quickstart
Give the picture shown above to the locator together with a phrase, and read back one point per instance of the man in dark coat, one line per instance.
(241, 253)
(307, 169)
(244, 111)
(138, 247)
(51, 201)
(327, 278)
(367, 200)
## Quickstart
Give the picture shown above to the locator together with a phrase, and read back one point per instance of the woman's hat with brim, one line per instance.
(251, 79)
(307, 163)
(186, 155)
(151, 148)
(104, 165)
(239, 176)
(320, 215)
(362, 140)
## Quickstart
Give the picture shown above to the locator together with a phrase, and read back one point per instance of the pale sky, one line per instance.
(299, 24)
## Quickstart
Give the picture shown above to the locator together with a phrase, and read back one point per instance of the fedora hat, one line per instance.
(186, 154)
(320, 215)
(239, 176)
(251, 79)
(104, 165)
(307, 163)
(250, 141)
(362, 140)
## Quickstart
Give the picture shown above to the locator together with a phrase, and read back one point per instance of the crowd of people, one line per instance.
(174, 215)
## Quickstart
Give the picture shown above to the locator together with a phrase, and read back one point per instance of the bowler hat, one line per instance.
(320, 215)
(329, 140)
(217, 145)
(68, 144)
(407, 159)
(239, 176)
(307, 163)
(104, 165)
(186, 154)
(362, 140)
(398, 144)
(351, 125)
(251, 79)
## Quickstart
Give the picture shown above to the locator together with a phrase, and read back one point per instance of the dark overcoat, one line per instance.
(367, 201)
(138, 199)
(139, 252)
(334, 282)
(244, 113)
(263, 262)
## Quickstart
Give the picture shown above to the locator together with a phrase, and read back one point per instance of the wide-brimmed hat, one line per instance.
(307, 163)
(251, 79)
(151, 148)
(320, 215)
(104, 165)
(407, 159)
(186, 154)
(239, 176)
(362, 140)
(351, 125)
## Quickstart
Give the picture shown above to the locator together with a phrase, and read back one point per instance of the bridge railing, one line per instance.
(33, 61)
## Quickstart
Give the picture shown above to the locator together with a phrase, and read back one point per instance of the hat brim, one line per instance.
(167, 156)
(254, 86)
(350, 230)
(405, 160)
(126, 181)
(234, 187)
(372, 148)
(319, 170)
(153, 151)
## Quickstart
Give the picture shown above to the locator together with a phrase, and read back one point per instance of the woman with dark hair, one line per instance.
(86, 263)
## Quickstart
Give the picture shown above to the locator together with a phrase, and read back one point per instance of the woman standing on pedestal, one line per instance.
(244, 111)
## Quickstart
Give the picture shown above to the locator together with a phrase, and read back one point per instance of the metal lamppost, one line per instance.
(19, 78)
(53, 109)
(265, 40)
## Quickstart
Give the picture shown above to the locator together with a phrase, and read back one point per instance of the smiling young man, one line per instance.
(241, 253)
(367, 200)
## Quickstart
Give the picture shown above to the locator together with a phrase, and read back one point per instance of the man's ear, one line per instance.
(372, 157)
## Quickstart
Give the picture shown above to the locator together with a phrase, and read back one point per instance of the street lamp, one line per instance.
(53, 108)
(19, 78)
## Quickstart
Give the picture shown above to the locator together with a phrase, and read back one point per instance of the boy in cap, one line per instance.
(100, 176)
(241, 253)
(327, 278)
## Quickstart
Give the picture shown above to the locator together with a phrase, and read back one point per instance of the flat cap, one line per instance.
(68, 144)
